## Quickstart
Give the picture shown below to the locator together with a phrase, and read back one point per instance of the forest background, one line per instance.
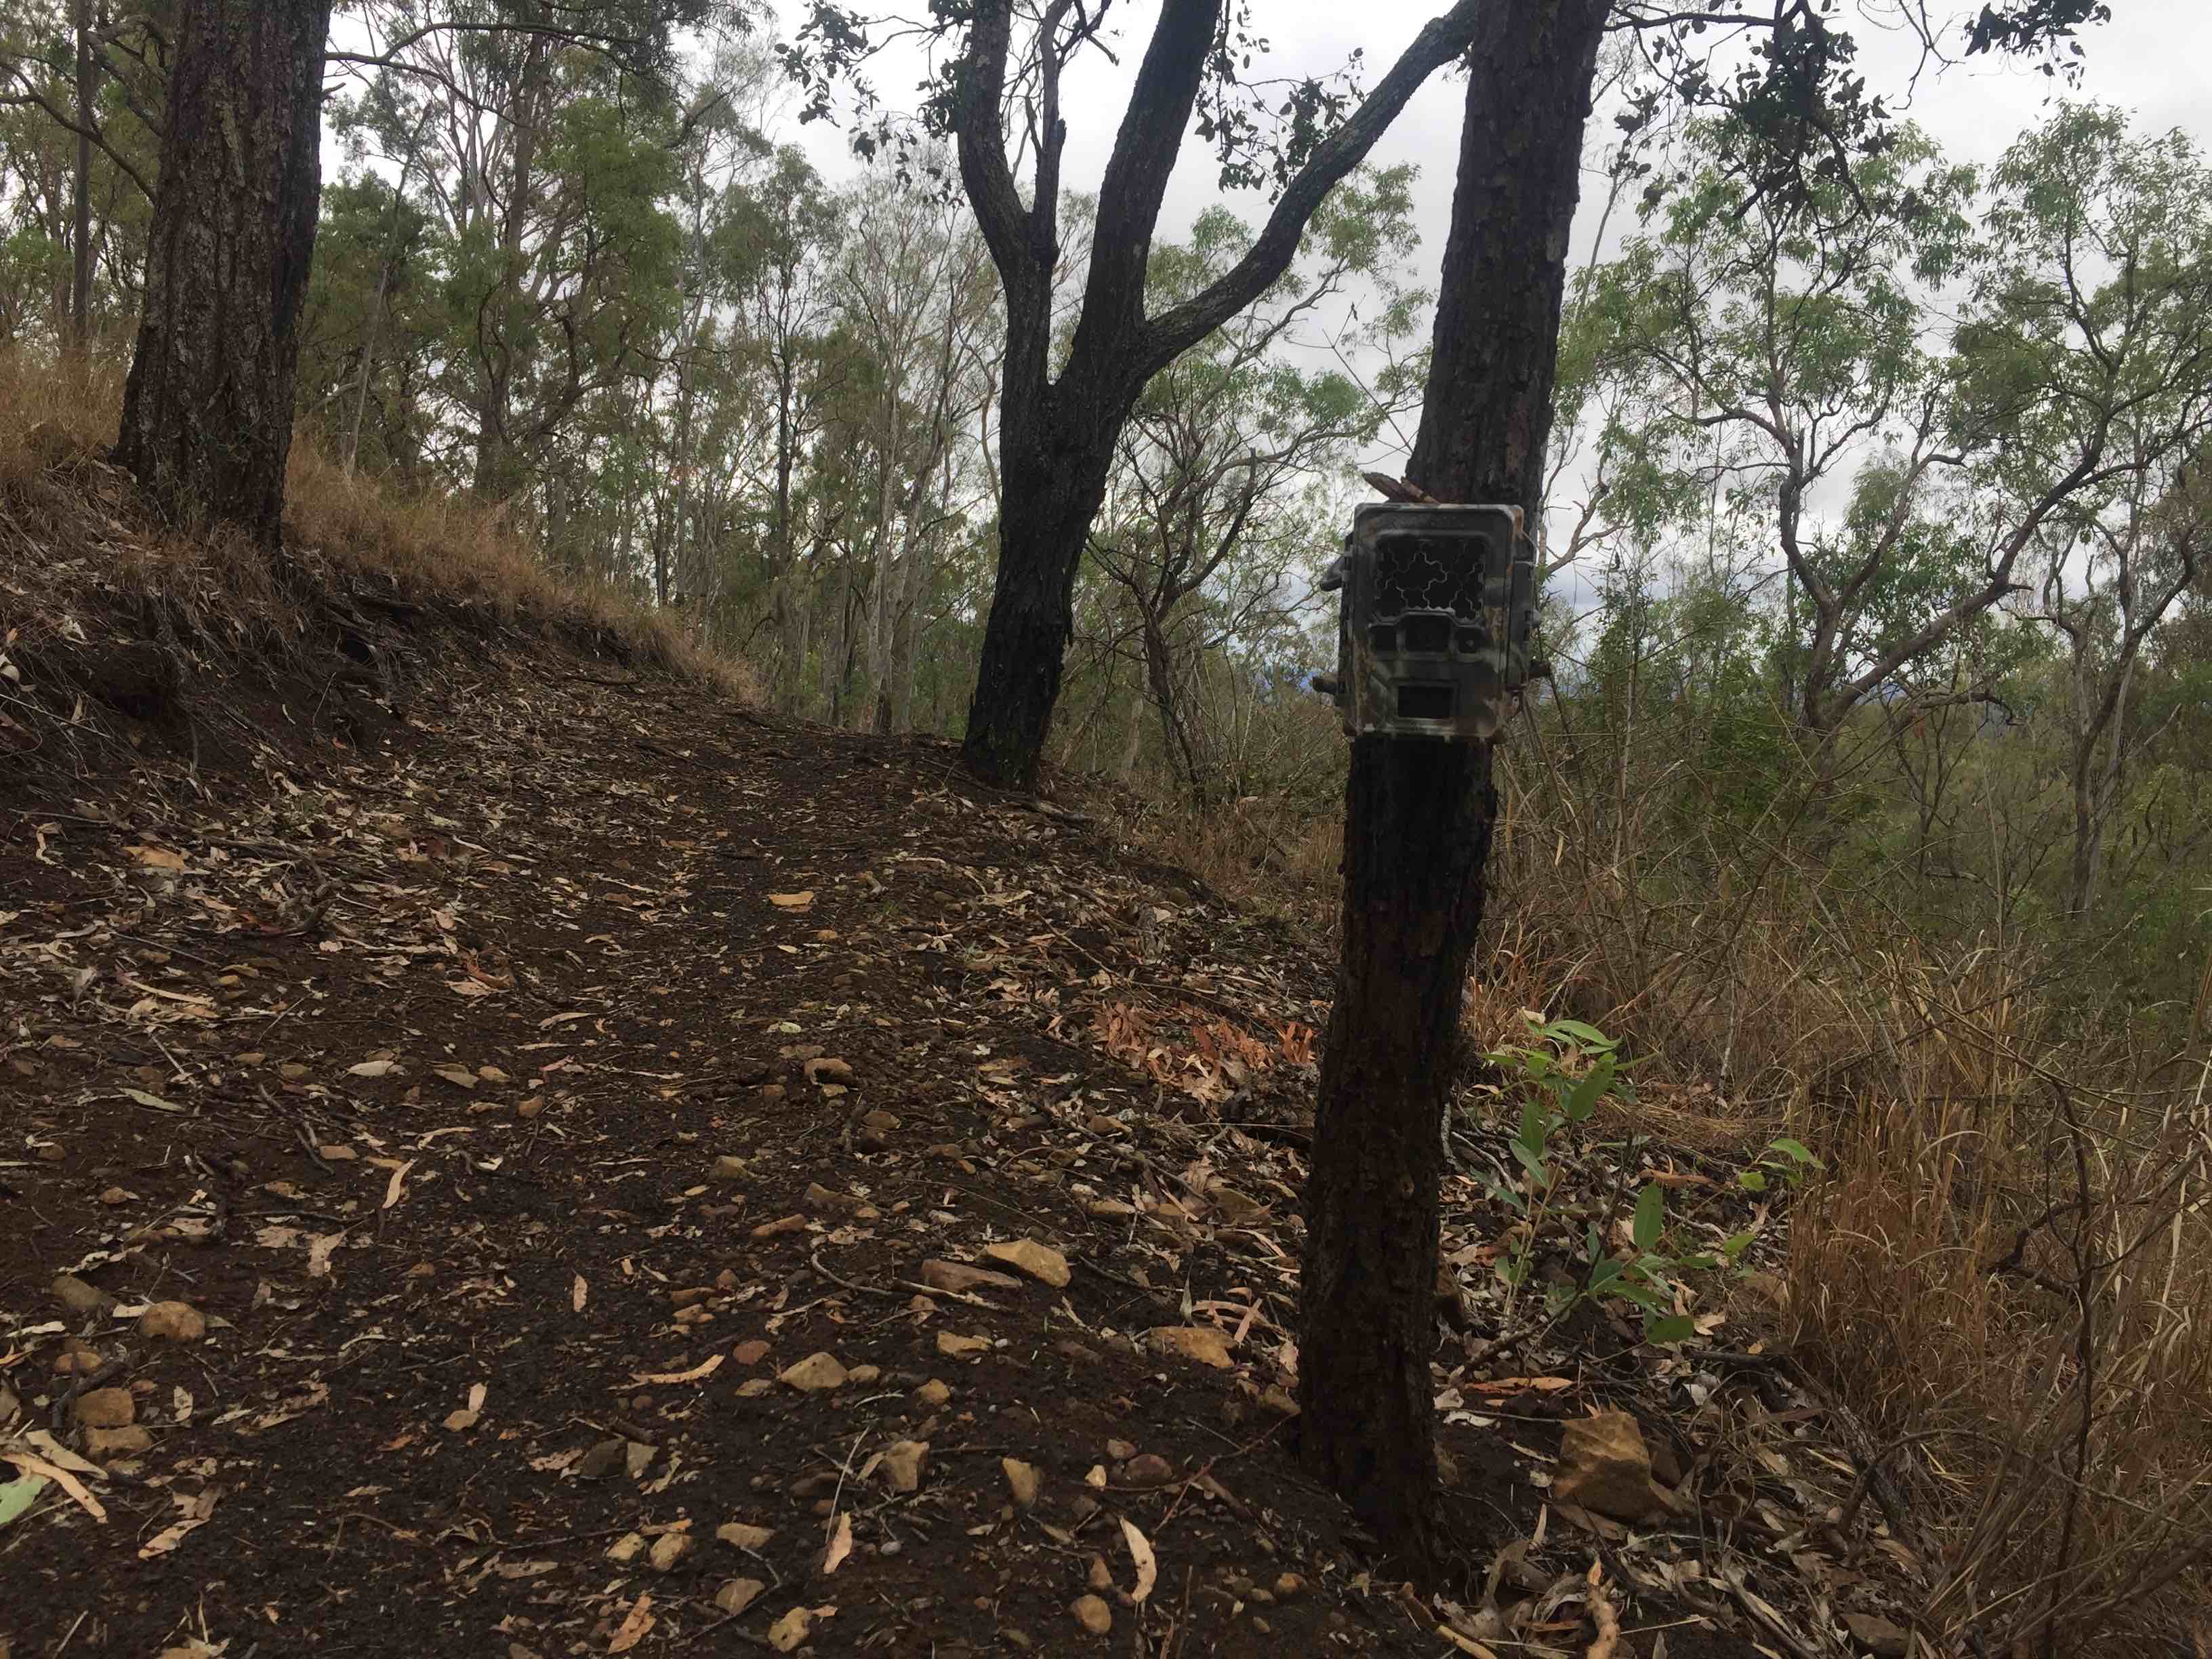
(1871, 791)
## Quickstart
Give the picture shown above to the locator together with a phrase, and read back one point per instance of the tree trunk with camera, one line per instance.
(1419, 812)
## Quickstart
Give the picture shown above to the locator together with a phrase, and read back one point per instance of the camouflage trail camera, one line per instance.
(1436, 605)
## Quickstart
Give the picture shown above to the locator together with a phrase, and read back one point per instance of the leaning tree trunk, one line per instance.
(1418, 812)
(207, 410)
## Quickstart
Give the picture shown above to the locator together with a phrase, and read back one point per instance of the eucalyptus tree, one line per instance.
(1211, 517)
(2087, 346)
(1059, 423)
(1419, 816)
(208, 409)
(912, 289)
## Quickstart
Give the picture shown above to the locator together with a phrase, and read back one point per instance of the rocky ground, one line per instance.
(591, 1170)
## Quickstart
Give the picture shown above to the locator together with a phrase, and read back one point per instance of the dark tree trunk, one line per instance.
(1487, 415)
(1418, 812)
(207, 410)
(88, 92)
(1417, 823)
(1051, 497)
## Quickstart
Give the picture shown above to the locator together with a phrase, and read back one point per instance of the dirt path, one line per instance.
(653, 1180)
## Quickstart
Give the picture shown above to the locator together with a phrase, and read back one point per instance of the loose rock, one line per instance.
(744, 1536)
(933, 1393)
(1040, 1261)
(902, 1464)
(174, 1322)
(1022, 1480)
(815, 1374)
(727, 1168)
(1605, 1466)
(1093, 1614)
(107, 1408)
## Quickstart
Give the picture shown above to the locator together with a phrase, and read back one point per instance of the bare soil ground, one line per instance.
(573, 1120)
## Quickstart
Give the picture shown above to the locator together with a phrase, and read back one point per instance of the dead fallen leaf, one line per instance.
(68, 1483)
(374, 1069)
(398, 1185)
(841, 1543)
(1141, 1553)
(634, 1625)
(798, 901)
(705, 1368)
(578, 1293)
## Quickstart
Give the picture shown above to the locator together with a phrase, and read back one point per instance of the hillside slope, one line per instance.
(440, 1151)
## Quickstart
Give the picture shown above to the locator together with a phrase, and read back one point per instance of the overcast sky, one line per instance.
(2152, 59)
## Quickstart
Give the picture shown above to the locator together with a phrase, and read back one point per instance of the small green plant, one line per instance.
(1563, 1072)
(1783, 1159)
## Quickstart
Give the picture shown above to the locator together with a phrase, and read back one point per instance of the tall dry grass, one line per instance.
(65, 513)
(2003, 1272)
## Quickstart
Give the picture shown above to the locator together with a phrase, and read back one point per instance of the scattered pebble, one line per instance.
(815, 1374)
(107, 1408)
(1040, 1261)
(902, 1464)
(174, 1322)
(1022, 1480)
(1093, 1614)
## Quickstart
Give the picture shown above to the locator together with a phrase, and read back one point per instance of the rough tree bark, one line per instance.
(1418, 813)
(1057, 435)
(207, 410)
(88, 95)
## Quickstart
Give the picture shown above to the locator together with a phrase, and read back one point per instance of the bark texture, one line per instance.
(1488, 412)
(1418, 813)
(207, 410)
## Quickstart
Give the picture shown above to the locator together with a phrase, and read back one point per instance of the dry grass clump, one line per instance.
(2004, 1269)
(75, 535)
